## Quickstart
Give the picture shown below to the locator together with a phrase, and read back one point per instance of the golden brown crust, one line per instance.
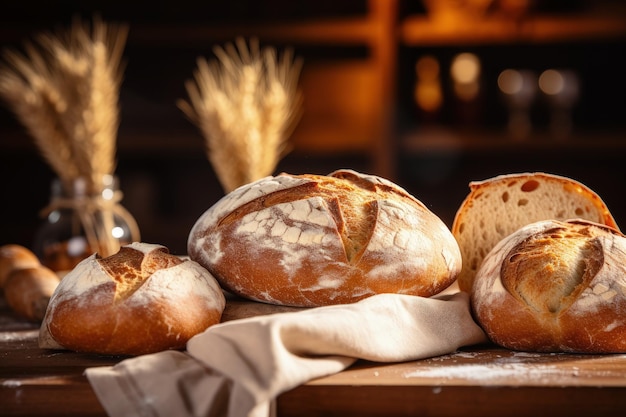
(500, 205)
(311, 240)
(14, 257)
(555, 286)
(28, 291)
(137, 301)
(111, 328)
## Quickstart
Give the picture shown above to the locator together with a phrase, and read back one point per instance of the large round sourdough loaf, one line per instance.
(498, 206)
(137, 301)
(555, 286)
(312, 240)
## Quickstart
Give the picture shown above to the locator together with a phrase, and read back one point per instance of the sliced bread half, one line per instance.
(498, 206)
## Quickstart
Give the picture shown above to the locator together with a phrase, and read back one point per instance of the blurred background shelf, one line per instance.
(359, 85)
(422, 30)
(441, 140)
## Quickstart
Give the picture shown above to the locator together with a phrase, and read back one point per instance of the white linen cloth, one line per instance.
(238, 368)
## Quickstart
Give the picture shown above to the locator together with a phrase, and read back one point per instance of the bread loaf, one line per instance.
(14, 257)
(28, 291)
(312, 240)
(498, 206)
(555, 286)
(140, 300)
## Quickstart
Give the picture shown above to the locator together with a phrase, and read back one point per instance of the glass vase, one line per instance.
(83, 217)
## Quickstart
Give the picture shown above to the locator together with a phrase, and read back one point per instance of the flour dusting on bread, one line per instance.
(140, 300)
(309, 240)
(555, 286)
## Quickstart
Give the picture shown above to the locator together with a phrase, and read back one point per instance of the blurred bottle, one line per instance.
(519, 89)
(465, 73)
(428, 93)
(561, 87)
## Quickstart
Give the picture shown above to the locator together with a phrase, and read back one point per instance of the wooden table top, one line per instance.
(479, 381)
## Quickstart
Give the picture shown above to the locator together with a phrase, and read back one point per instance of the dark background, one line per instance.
(168, 182)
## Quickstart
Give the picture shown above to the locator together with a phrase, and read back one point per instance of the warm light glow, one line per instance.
(465, 68)
(108, 194)
(561, 86)
(427, 68)
(428, 95)
(551, 82)
(76, 246)
(117, 232)
(465, 72)
(510, 81)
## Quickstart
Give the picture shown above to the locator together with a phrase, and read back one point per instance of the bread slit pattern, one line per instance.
(549, 270)
(354, 222)
(139, 300)
(360, 231)
(311, 240)
(555, 286)
(132, 269)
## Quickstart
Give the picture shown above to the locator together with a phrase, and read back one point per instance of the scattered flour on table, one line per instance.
(518, 366)
(20, 335)
(477, 372)
(11, 383)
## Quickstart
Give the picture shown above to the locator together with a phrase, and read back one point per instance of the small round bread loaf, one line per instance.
(140, 300)
(28, 291)
(14, 257)
(555, 286)
(313, 240)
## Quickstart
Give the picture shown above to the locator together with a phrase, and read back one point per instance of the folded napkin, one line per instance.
(238, 368)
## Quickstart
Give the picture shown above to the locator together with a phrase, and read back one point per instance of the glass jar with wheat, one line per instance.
(82, 219)
(64, 89)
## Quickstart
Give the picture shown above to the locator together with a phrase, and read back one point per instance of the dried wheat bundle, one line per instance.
(64, 89)
(246, 104)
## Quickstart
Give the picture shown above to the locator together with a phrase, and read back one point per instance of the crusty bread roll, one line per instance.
(555, 286)
(311, 240)
(140, 300)
(28, 291)
(14, 257)
(498, 206)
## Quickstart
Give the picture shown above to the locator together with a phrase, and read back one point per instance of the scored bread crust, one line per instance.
(312, 240)
(137, 301)
(555, 286)
(497, 207)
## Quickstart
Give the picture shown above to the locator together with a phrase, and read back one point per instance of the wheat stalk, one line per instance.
(65, 91)
(37, 103)
(245, 104)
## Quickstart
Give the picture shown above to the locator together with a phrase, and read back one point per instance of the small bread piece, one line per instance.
(140, 300)
(555, 286)
(13, 257)
(28, 291)
(498, 206)
(313, 240)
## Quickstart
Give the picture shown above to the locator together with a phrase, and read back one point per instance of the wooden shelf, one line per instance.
(439, 140)
(354, 31)
(422, 30)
